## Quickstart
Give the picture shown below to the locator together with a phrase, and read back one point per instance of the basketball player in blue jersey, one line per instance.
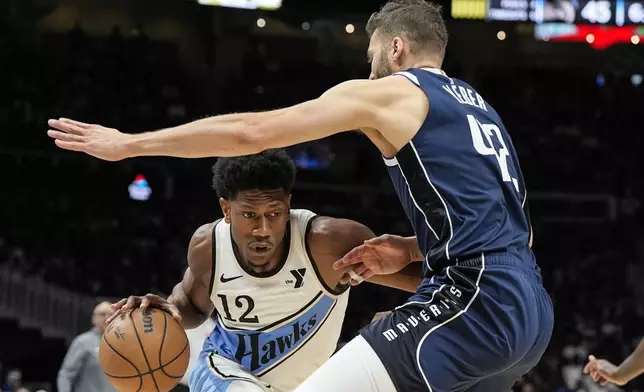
(267, 271)
(481, 317)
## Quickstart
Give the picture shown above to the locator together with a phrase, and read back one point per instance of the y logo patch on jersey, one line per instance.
(298, 274)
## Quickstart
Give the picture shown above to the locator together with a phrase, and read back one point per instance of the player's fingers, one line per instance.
(360, 269)
(345, 279)
(364, 276)
(131, 302)
(119, 304)
(74, 122)
(145, 302)
(71, 146)
(603, 382)
(175, 313)
(354, 256)
(356, 279)
(590, 366)
(603, 373)
(66, 127)
(114, 316)
(383, 239)
(66, 137)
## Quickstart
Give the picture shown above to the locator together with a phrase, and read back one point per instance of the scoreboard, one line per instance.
(599, 12)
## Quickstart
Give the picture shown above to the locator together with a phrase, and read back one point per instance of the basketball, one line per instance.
(144, 350)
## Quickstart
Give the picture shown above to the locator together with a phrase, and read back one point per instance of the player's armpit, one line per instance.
(192, 295)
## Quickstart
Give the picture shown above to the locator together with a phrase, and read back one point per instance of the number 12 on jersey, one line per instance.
(247, 303)
(487, 131)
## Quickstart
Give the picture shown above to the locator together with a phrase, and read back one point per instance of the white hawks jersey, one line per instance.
(280, 327)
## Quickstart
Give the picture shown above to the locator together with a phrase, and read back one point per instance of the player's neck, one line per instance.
(425, 63)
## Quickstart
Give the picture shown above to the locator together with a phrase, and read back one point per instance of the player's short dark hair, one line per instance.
(419, 21)
(268, 170)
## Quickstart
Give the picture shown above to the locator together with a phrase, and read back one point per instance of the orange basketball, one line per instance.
(144, 350)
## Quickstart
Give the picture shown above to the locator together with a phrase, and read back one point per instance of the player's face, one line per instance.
(258, 220)
(378, 55)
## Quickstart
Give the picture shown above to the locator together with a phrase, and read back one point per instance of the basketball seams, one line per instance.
(174, 359)
(139, 376)
(145, 356)
(161, 364)
(165, 331)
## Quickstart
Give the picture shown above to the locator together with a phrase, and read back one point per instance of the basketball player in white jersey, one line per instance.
(481, 318)
(267, 271)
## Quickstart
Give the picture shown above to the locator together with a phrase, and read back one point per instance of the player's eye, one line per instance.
(248, 215)
(274, 214)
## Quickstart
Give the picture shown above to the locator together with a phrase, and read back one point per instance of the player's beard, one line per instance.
(383, 69)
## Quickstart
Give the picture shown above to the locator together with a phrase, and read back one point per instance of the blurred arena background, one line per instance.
(565, 75)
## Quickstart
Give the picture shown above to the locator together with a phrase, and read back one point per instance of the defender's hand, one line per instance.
(382, 255)
(148, 300)
(98, 141)
(604, 372)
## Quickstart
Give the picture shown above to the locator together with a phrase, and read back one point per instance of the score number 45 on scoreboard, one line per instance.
(609, 12)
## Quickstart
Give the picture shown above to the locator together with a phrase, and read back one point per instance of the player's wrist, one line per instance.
(623, 375)
(133, 145)
(415, 255)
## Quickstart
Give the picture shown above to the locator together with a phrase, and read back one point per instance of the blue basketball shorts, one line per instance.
(476, 326)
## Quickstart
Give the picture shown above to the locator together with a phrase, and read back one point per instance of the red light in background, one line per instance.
(601, 37)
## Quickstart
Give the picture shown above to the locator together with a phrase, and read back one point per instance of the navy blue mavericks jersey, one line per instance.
(459, 179)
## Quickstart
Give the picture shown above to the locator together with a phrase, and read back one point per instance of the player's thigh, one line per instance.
(355, 368)
(504, 381)
(498, 383)
(217, 374)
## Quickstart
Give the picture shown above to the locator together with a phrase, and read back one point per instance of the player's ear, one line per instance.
(397, 46)
(225, 208)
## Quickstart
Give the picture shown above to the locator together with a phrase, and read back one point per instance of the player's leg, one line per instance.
(217, 374)
(355, 368)
(505, 380)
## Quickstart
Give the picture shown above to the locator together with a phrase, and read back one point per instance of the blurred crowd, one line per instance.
(69, 220)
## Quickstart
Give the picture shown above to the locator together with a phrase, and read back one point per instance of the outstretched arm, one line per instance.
(603, 371)
(347, 106)
(391, 108)
(342, 108)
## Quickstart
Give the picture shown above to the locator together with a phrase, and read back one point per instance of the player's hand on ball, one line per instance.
(382, 255)
(145, 301)
(604, 372)
(98, 141)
